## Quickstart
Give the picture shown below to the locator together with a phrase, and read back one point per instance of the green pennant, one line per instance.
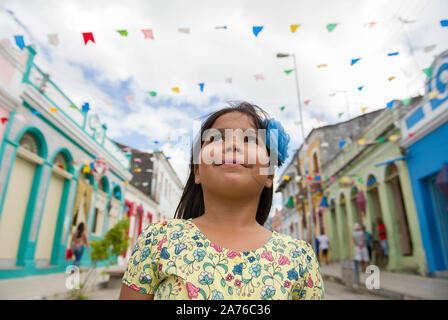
(282, 108)
(428, 72)
(381, 139)
(406, 101)
(360, 180)
(331, 26)
(340, 114)
(289, 71)
(73, 106)
(290, 202)
(123, 32)
(152, 93)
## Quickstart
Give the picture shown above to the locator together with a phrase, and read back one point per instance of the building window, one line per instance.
(95, 220)
(316, 163)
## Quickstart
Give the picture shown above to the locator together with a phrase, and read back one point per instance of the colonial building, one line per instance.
(58, 168)
(370, 180)
(424, 136)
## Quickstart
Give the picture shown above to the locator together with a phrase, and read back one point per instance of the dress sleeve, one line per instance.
(142, 271)
(310, 285)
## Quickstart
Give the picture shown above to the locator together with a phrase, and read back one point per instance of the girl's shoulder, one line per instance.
(293, 243)
(168, 226)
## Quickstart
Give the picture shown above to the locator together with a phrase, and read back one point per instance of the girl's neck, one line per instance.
(225, 213)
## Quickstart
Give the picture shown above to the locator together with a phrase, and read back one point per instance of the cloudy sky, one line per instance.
(105, 72)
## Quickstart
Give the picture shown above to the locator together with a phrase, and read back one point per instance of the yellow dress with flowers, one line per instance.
(174, 260)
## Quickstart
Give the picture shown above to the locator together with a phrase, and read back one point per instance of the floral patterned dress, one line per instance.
(174, 260)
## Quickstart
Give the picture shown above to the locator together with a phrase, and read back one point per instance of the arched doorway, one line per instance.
(356, 212)
(24, 177)
(396, 197)
(345, 230)
(374, 204)
(335, 236)
(114, 207)
(83, 200)
(55, 200)
(102, 197)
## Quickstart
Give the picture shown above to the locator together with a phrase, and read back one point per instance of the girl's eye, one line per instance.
(250, 139)
(215, 138)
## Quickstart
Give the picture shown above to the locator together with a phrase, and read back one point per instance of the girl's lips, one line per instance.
(231, 165)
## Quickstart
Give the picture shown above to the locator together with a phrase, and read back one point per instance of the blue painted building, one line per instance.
(425, 138)
(49, 146)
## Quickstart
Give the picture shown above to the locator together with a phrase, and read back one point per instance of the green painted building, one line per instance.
(368, 178)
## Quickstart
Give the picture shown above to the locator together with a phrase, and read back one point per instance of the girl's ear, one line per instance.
(197, 179)
(269, 181)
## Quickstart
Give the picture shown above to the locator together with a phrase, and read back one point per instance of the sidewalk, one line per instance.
(395, 285)
(51, 286)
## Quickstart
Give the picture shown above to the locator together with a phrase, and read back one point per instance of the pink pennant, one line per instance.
(320, 119)
(148, 34)
(372, 24)
(259, 77)
(129, 98)
(307, 102)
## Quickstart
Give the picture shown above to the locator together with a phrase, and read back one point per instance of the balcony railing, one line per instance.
(87, 122)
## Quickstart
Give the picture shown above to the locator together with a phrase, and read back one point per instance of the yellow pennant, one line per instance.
(138, 170)
(176, 89)
(393, 138)
(53, 109)
(363, 110)
(391, 78)
(362, 141)
(433, 94)
(125, 183)
(294, 27)
(322, 65)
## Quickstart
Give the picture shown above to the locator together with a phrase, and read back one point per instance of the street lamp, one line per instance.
(310, 204)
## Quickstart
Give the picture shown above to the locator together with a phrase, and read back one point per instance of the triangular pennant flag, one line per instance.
(307, 102)
(147, 33)
(20, 42)
(360, 88)
(390, 104)
(428, 72)
(331, 26)
(361, 141)
(184, 30)
(363, 110)
(433, 94)
(4, 120)
(223, 27)
(444, 23)
(124, 33)
(129, 97)
(34, 112)
(86, 107)
(201, 86)
(282, 108)
(354, 61)
(392, 54)
(175, 89)
(406, 101)
(294, 27)
(340, 114)
(258, 77)
(53, 39)
(372, 24)
(321, 65)
(391, 78)
(88, 36)
(152, 93)
(52, 109)
(430, 48)
(381, 139)
(411, 135)
(341, 144)
(256, 30)
(289, 71)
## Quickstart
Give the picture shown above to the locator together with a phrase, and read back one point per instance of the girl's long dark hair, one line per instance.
(80, 230)
(191, 204)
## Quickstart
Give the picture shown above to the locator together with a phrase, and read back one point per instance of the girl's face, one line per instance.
(233, 167)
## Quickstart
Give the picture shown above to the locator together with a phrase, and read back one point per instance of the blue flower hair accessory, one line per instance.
(281, 144)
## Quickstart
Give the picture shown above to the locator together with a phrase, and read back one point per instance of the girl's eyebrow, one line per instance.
(249, 130)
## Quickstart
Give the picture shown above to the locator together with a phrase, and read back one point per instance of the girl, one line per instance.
(217, 247)
(79, 242)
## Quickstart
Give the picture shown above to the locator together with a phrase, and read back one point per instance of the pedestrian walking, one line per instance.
(79, 243)
(369, 240)
(217, 239)
(359, 240)
(383, 241)
(324, 246)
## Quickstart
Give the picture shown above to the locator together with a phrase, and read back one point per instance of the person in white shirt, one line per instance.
(324, 245)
